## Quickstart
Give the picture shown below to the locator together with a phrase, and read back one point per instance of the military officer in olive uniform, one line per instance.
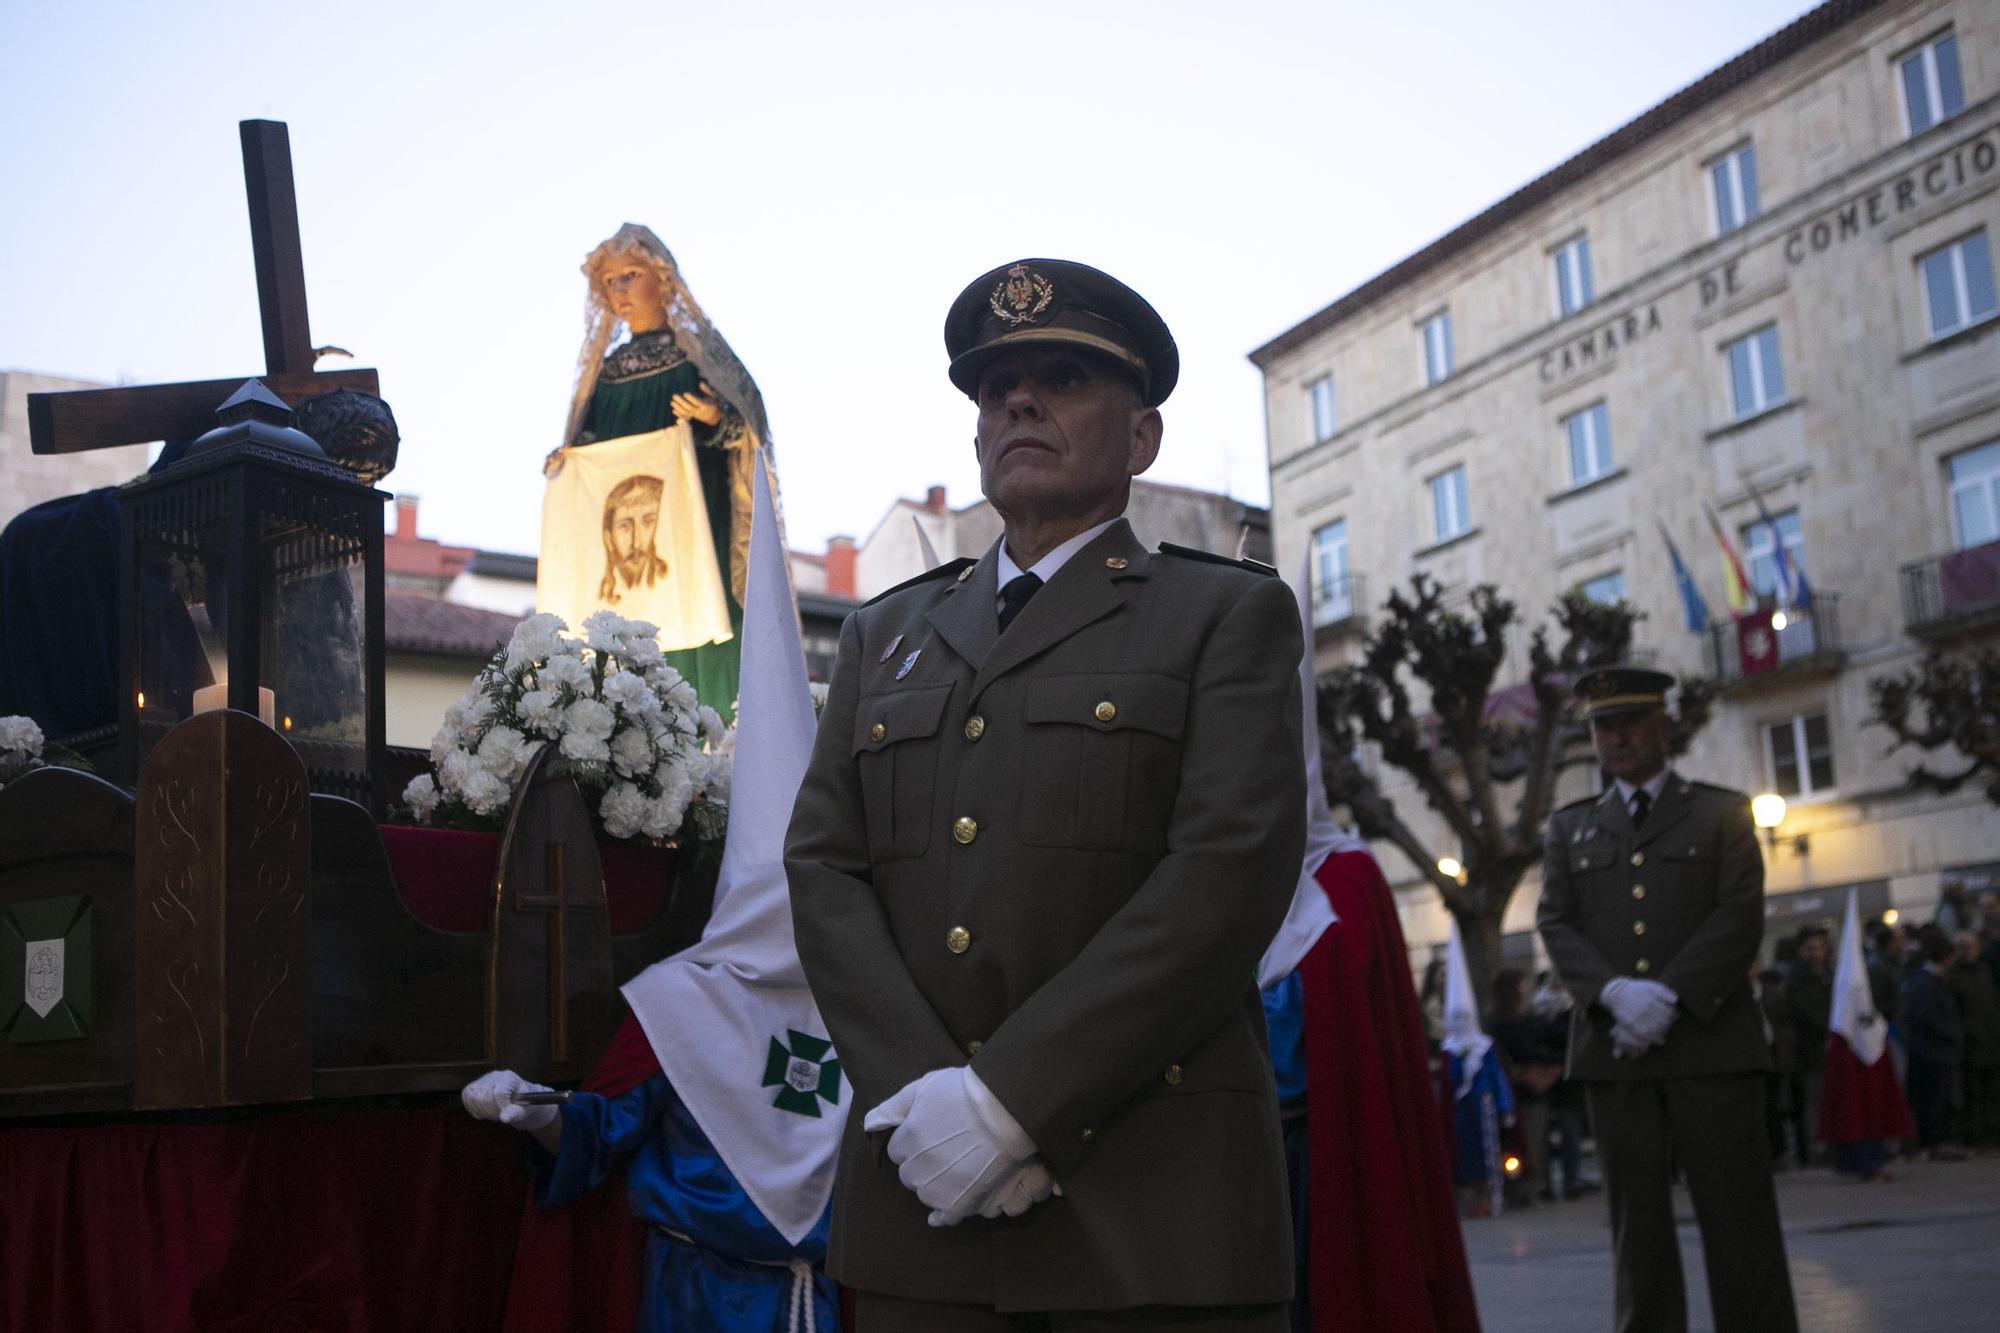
(1052, 819)
(1652, 909)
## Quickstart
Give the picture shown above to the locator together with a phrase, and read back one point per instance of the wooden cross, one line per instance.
(82, 419)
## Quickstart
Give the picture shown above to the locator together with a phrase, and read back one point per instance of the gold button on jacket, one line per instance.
(1173, 1074)
(965, 828)
(877, 732)
(958, 939)
(975, 727)
(1105, 711)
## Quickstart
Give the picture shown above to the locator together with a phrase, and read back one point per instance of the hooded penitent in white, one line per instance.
(730, 1018)
(1854, 1016)
(1310, 914)
(1463, 1037)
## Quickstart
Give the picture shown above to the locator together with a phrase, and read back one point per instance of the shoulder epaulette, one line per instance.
(1719, 790)
(1579, 803)
(1190, 553)
(948, 569)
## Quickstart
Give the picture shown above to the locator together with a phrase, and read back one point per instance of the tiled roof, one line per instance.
(1773, 50)
(413, 623)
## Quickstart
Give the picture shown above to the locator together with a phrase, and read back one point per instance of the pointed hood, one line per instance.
(1854, 1016)
(1463, 1036)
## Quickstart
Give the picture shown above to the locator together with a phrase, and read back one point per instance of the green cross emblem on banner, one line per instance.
(802, 1074)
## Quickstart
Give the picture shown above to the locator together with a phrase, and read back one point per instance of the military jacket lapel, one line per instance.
(966, 619)
(1089, 587)
(1670, 809)
(1613, 816)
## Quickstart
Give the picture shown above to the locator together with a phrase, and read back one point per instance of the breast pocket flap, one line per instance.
(883, 720)
(1109, 702)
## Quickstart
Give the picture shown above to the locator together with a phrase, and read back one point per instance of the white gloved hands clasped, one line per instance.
(491, 1097)
(959, 1150)
(1644, 1012)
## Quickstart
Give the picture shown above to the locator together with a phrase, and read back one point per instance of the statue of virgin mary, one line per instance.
(648, 505)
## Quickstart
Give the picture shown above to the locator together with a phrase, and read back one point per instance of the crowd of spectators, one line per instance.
(1937, 984)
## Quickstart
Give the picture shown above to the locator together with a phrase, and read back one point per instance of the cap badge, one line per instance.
(1600, 686)
(1022, 296)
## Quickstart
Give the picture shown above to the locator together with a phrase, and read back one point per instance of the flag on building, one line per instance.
(1859, 1097)
(1735, 582)
(1794, 593)
(1692, 605)
(730, 1017)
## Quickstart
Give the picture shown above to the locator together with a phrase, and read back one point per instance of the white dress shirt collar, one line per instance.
(1045, 568)
(1653, 788)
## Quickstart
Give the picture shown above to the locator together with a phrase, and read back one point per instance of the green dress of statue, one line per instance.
(674, 368)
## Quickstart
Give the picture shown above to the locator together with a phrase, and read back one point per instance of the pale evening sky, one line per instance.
(827, 176)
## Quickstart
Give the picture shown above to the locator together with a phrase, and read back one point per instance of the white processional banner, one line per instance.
(624, 529)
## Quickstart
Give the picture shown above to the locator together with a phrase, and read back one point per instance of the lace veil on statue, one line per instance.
(712, 357)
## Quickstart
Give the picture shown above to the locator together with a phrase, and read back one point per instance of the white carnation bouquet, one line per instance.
(652, 762)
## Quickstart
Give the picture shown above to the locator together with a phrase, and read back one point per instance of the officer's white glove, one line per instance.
(1030, 1184)
(491, 1097)
(954, 1144)
(1625, 1044)
(1645, 1008)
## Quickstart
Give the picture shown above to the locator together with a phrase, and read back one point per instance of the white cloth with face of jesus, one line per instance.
(624, 528)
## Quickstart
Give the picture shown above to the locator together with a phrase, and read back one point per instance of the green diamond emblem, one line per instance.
(802, 1074)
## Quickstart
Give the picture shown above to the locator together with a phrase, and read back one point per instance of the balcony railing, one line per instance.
(1955, 593)
(1752, 649)
(1339, 603)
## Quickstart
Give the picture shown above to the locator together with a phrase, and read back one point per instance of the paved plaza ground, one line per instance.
(1920, 1253)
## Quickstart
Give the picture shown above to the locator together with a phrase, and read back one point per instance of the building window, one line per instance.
(1932, 90)
(1320, 420)
(1589, 434)
(1798, 756)
(1756, 380)
(1958, 284)
(1975, 495)
(1437, 347)
(1574, 290)
(1332, 590)
(1734, 179)
(1450, 515)
(1605, 589)
(1760, 541)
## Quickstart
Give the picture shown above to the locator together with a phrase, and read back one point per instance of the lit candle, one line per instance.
(211, 697)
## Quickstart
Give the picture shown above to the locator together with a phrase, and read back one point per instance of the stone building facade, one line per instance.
(1770, 298)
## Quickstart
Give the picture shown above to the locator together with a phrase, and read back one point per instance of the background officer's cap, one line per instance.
(1054, 302)
(1612, 691)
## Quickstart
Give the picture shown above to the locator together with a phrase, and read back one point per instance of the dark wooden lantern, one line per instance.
(253, 570)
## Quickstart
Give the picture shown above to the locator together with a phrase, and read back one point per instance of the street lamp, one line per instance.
(1449, 867)
(1768, 811)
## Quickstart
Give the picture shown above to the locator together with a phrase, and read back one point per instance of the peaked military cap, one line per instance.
(1059, 303)
(1612, 691)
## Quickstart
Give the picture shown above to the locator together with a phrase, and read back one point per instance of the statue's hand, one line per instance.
(553, 463)
(702, 406)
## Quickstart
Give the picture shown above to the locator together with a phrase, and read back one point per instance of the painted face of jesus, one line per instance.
(631, 522)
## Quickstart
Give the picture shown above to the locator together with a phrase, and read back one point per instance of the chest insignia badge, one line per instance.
(908, 663)
(889, 651)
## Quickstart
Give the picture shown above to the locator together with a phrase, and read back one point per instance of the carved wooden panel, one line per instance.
(551, 1004)
(222, 898)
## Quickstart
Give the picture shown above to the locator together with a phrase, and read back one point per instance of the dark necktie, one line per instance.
(1015, 596)
(1642, 803)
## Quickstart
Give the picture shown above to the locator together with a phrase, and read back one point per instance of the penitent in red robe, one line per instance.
(1859, 1102)
(1385, 1251)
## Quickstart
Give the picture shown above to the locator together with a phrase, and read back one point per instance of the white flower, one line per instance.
(623, 810)
(631, 752)
(680, 696)
(536, 638)
(712, 729)
(586, 729)
(422, 797)
(607, 631)
(485, 793)
(19, 735)
(564, 671)
(676, 791)
(710, 775)
(537, 709)
(629, 691)
(506, 752)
